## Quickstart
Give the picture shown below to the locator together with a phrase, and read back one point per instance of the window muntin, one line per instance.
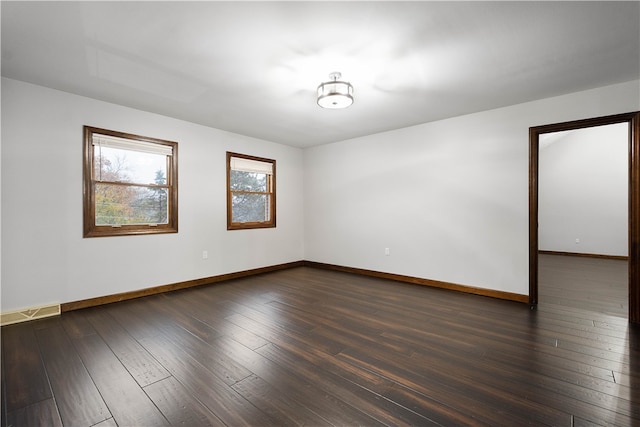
(250, 192)
(130, 184)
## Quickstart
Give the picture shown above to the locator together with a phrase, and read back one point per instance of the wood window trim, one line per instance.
(90, 229)
(270, 184)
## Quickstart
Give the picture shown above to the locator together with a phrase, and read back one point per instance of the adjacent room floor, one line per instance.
(325, 348)
(593, 284)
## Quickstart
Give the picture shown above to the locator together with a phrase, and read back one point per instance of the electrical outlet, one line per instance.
(387, 251)
(577, 241)
(205, 254)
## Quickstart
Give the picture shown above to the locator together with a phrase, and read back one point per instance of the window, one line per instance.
(130, 184)
(251, 192)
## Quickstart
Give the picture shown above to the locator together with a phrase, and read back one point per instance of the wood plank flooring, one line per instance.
(312, 347)
(595, 284)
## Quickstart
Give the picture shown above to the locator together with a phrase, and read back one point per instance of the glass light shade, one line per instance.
(335, 94)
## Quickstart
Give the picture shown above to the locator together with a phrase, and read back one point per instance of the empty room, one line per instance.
(342, 213)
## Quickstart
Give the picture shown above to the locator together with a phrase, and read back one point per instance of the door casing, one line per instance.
(633, 119)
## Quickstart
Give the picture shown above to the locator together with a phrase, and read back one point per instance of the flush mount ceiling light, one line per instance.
(335, 93)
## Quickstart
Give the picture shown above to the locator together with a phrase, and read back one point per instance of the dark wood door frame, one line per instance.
(633, 119)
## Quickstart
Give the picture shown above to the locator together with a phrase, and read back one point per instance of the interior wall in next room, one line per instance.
(583, 190)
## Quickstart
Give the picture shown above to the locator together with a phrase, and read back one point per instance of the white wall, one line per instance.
(583, 191)
(44, 257)
(449, 198)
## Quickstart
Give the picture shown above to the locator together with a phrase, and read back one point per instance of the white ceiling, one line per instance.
(253, 67)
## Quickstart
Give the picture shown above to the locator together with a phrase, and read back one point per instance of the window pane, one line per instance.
(248, 181)
(113, 164)
(250, 207)
(125, 205)
(251, 192)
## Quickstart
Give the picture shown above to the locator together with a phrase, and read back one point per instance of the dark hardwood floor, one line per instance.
(314, 347)
(595, 284)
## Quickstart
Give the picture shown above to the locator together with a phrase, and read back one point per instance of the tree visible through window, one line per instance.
(250, 192)
(130, 184)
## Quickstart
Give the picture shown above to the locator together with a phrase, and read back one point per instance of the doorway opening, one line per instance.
(633, 123)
